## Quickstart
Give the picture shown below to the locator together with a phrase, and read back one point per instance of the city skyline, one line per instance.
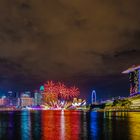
(69, 69)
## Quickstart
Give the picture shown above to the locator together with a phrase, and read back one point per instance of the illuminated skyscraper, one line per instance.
(37, 98)
(134, 79)
(10, 94)
(26, 100)
(42, 88)
(28, 93)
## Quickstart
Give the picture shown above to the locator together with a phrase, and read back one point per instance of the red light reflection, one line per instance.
(60, 125)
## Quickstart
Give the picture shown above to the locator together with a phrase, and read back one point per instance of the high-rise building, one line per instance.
(11, 99)
(41, 88)
(10, 94)
(26, 100)
(134, 79)
(2, 101)
(28, 93)
(37, 98)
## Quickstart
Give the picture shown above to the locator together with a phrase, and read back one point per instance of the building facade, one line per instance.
(25, 100)
(134, 79)
(37, 98)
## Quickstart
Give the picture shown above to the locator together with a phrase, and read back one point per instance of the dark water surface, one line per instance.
(69, 125)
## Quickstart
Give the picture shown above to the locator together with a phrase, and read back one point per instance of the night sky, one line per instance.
(87, 43)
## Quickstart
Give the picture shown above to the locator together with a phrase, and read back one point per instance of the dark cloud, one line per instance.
(66, 40)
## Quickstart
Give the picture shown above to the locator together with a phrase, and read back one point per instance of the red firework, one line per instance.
(71, 93)
(59, 91)
(49, 87)
(67, 95)
(74, 91)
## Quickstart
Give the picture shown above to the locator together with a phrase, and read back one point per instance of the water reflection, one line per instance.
(25, 125)
(134, 125)
(72, 125)
(84, 126)
(69, 125)
(93, 125)
(36, 124)
(5, 126)
(10, 125)
(117, 124)
(50, 124)
(9, 128)
(60, 125)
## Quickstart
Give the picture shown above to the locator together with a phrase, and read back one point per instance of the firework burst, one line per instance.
(58, 95)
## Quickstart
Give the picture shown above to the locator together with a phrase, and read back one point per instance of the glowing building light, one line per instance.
(134, 79)
(41, 88)
(25, 125)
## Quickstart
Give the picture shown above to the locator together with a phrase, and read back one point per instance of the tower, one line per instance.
(37, 98)
(93, 97)
(41, 88)
(134, 79)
